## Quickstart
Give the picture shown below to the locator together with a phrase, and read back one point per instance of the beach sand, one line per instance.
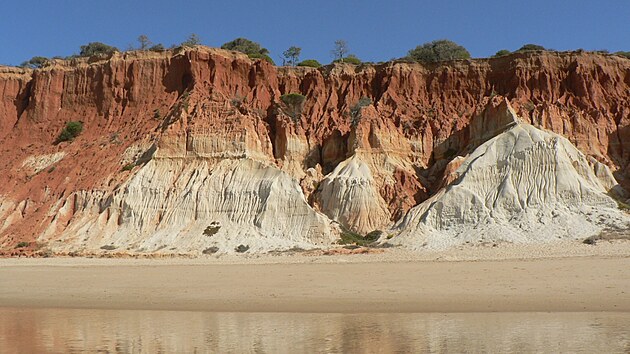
(585, 278)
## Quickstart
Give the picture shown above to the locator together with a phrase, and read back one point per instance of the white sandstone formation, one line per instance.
(181, 205)
(524, 185)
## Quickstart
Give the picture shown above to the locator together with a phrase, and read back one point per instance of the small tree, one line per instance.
(292, 54)
(96, 48)
(439, 50)
(192, 41)
(35, 62)
(246, 46)
(144, 41)
(340, 50)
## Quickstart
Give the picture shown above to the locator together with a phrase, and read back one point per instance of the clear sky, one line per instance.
(376, 30)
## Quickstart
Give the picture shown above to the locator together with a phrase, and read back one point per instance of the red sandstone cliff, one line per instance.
(212, 104)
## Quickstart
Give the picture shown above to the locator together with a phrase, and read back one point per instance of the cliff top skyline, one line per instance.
(375, 31)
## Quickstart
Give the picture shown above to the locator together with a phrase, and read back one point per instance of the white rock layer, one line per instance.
(524, 185)
(169, 204)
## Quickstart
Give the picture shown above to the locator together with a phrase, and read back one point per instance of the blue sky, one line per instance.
(375, 30)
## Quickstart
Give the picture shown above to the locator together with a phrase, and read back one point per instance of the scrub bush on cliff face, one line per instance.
(439, 50)
(293, 105)
(71, 131)
(355, 111)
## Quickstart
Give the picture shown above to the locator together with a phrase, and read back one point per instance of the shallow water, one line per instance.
(125, 331)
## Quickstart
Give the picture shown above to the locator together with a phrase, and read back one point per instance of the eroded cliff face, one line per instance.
(178, 143)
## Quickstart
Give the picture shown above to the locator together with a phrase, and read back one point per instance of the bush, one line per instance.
(350, 59)
(157, 48)
(71, 131)
(531, 47)
(623, 54)
(96, 48)
(35, 63)
(294, 103)
(246, 46)
(439, 50)
(22, 244)
(502, 53)
(261, 56)
(312, 63)
(355, 111)
(353, 238)
(129, 167)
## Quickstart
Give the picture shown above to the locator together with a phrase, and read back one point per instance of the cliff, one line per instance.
(187, 150)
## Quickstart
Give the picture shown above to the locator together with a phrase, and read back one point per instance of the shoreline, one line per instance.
(352, 284)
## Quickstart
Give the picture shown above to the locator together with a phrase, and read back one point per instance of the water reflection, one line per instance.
(114, 331)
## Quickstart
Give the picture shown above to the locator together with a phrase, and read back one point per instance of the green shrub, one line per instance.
(71, 131)
(355, 111)
(264, 57)
(157, 48)
(246, 46)
(96, 48)
(623, 54)
(108, 247)
(348, 237)
(292, 99)
(439, 50)
(293, 104)
(531, 47)
(502, 53)
(312, 63)
(129, 167)
(350, 59)
(22, 244)
(35, 63)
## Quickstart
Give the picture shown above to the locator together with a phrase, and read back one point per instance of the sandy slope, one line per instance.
(595, 278)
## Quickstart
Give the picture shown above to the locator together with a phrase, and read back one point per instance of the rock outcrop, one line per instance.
(524, 185)
(178, 142)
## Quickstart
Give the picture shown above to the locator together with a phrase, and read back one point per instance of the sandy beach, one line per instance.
(594, 279)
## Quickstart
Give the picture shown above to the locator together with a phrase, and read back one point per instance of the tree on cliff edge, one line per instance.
(246, 46)
(292, 55)
(192, 41)
(340, 50)
(439, 50)
(96, 48)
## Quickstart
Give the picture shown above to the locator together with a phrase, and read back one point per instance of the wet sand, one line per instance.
(303, 284)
